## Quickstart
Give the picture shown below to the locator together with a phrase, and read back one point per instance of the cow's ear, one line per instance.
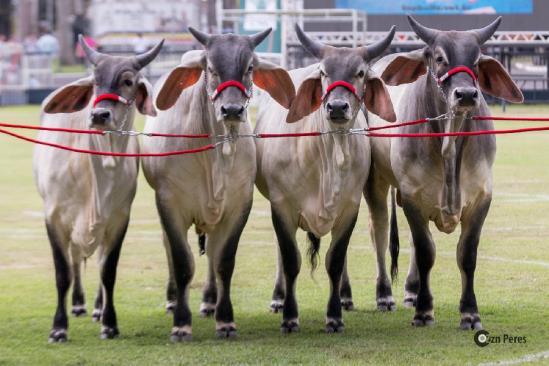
(183, 76)
(378, 100)
(308, 98)
(405, 68)
(70, 98)
(495, 80)
(144, 98)
(276, 81)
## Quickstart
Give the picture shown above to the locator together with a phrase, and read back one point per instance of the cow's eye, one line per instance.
(250, 68)
(128, 82)
(322, 73)
(439, 59)
(360, 74)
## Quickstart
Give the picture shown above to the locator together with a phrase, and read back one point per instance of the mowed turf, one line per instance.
(512, 281)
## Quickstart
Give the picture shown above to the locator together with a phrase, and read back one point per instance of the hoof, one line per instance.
(225, 330)
(334, 326)
(170, 307)
(410, 300)
(289, 326)
(207, 310)
(96, 315)
(386, 304)
(181, 334)
(276, 306)
(347, 304)
(108, 332)
(79, 310)
(423, 320)
(470, 322)
(57, 336)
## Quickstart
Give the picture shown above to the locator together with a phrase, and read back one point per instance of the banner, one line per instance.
(439, 6)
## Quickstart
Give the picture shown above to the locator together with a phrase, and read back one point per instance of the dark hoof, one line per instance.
(334, 326)
(96, 315)
(170, 307)
(276, 306)
(347, 304)
(57, 336)
(423, 320)
(226, 331)
(181, 334)
(207, 310)
(386, 304)
(470, 322)
(289, 326)
(79, 310)
(109, 333)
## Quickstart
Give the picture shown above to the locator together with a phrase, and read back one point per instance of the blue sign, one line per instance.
(439, 6)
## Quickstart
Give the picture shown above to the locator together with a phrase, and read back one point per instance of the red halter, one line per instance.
(111, 96)
(457, 70)
(228, 84)
(350, 87)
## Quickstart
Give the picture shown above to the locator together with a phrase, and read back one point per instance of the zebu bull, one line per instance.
(208, 93)
(88, 198)
(315, 183)
(446, 180)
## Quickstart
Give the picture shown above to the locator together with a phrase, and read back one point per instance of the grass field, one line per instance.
(512, 282)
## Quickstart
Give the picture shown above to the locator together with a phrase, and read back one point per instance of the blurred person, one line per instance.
(140, 44)
(47, 42)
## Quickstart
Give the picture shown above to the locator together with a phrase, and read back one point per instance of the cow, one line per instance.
(208, 93)
(447, 180)
(315, 183)
(87, 198)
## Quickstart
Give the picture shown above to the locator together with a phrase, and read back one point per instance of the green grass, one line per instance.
(512, 282)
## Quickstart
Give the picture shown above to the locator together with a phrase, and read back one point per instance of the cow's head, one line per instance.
(230, 67)
(342, 82)
(456, 64)
(116, 84)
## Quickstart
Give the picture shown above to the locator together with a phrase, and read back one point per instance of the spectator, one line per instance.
(47, 42)
(79, 51)
(140, 44)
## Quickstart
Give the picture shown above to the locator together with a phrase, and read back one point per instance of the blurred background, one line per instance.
(39, 50)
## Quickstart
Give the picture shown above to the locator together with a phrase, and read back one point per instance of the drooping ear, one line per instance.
(405, 68)
(183, 76)
(144, 98)
(378, 100)
(70, 98)
(308, 98)
(276, 81)
(495, 80)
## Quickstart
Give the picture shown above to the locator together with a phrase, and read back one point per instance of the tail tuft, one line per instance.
(312, 251)
(202, 243)
(394, 244)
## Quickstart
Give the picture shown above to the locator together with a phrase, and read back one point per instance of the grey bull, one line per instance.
(446, 180)
(87, 199)
(315, 183)
(208, 93)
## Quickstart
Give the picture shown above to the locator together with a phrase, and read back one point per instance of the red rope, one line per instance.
(462, 133)
(103, 153)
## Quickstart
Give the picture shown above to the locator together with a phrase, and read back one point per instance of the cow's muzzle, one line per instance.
(232, 112)
(101, 117)
(466, 97)
(338, 111)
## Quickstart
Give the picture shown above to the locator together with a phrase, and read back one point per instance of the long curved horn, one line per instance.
(92, 55)
(427, 35)
(201, 37)
(145, 58)
(376, 49)
(315, 48)
(257, 38)
(487, 32)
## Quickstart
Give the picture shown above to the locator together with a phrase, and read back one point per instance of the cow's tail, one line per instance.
(394, 244)
(312, 251)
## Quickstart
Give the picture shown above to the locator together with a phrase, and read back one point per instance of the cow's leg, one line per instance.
(411, 286)
(335, 260)
(425, 258)
(78, 297)
(209, 293)
(108, 266)
(60, 251)
(471, 227)
(345, 292)
(279, 291)
(222, 244)
(375, 192)
(170, 285)
(182, 265)
(291, 264)
(98, 305)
